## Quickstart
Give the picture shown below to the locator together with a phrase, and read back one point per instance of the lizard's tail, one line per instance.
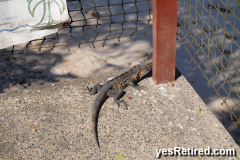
(95, 122)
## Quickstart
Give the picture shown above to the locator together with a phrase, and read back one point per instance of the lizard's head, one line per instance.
(146, 66)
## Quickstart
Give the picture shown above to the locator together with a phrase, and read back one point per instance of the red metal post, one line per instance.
(164, 40)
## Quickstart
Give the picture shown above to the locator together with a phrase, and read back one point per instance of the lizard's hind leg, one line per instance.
(95, 89)
(116, 94)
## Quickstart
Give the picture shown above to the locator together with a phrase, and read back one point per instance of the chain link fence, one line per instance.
(209, 31)
(93, 21)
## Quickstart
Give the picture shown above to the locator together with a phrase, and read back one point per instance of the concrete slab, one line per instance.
(54, 122)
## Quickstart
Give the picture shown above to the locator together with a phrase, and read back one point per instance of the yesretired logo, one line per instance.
(190, 151)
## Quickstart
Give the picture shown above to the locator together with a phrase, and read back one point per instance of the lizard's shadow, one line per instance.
(177, 74)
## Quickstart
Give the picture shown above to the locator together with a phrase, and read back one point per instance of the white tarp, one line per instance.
(24, 20)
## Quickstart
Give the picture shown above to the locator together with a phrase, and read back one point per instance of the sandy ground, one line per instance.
(37, 68)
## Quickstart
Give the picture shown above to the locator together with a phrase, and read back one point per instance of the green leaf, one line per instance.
(107, 135)
(119, 156)
(199, 110)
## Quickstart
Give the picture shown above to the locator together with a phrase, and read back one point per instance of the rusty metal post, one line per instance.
(164, 40)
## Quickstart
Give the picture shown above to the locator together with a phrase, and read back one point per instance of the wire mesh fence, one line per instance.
(209, 31)
(93, 21)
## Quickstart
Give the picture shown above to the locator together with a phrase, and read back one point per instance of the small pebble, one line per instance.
(116, 44)
(110, 78)
(93, 14)
(143, 53)
(31, 60)
(7, 58)
(193, 129)
(129, 64)
(56, 80)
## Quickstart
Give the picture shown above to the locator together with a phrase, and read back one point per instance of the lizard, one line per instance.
(113, 88)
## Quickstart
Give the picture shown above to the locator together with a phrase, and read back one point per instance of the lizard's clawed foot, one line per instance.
(121, 101)
(89, 89)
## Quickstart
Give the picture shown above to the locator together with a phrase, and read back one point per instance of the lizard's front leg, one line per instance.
(132, 83)
(116, 94)
(95, 89)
